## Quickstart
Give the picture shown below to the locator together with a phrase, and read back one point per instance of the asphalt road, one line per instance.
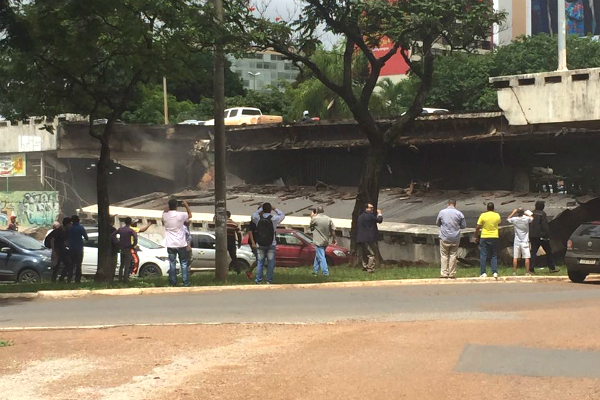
(488, 301)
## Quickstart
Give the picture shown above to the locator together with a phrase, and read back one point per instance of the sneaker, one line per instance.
(249, 274)
(451, 277)
(528, 274)
(484, 275)
(370, 270)
(554, 270)
(495, 275)
(514, 274)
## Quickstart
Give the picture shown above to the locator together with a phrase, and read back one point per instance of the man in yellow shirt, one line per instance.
(487, 225)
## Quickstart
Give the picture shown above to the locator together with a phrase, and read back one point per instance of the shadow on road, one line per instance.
(12, 302)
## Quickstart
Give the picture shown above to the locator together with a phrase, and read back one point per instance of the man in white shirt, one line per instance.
(265, 237)
(175, 240)
(521, 246)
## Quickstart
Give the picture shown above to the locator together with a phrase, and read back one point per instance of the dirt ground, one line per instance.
(361, 360)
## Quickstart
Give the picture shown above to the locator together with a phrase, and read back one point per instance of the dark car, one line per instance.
(23, 259)
(296, 249)
(583, 251)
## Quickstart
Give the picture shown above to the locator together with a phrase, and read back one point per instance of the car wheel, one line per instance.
(329, 261)
(150, 271)
(576, 276)
(29, 276)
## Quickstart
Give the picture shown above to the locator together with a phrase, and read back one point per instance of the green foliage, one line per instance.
(151, 108)
(460, 80)
(5, 343)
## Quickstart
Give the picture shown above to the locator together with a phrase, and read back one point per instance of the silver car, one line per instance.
(203, 253)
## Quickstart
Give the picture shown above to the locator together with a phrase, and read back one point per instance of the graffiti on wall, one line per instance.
(33, 209)
(583, 16)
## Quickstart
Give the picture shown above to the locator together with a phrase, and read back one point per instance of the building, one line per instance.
(263, 69)
(530, 17)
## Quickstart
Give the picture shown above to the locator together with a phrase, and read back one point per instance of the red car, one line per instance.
(295, 249)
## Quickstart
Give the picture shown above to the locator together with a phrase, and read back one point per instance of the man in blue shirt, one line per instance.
(450, 221)
(76, 236)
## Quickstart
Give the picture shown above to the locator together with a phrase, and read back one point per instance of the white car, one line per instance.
(203, 253)
(154, 260)
(191, 122)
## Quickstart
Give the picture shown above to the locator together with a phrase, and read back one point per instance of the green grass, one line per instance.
(282, 276)
(5, 343)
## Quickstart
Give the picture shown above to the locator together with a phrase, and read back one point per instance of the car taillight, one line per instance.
(569, 244)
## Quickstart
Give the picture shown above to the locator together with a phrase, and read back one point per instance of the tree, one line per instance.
(416, 25)
(88, 57)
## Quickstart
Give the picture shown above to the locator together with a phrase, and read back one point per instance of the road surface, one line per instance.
(458, 341)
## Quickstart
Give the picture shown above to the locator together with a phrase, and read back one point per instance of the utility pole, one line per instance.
(165, 100)
(562, 36)
(221, 267)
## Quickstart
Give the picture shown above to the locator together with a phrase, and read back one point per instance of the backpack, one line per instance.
(265, 232)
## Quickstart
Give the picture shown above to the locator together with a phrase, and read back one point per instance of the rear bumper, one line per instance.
(573, 264)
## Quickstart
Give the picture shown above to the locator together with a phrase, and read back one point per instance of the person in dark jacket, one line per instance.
(77, 235)
(127, 241)
(60, 241)
(367, 236)
(539, 235)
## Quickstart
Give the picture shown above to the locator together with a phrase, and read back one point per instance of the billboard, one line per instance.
(395, 65)
(12, 165)
(583, 17)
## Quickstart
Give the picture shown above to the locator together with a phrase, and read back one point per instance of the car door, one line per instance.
(7, 262)
(90, 256)
(203, 251)
(289, 250)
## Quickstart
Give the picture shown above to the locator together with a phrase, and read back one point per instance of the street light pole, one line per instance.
(562, 36)
(221, 267)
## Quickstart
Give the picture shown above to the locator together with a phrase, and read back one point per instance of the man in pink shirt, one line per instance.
(175, 240)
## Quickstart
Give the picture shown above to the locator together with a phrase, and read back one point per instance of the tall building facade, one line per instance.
(263, 69)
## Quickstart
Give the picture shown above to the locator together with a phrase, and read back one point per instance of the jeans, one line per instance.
(488, 246)
(182, 252)
(125, 265)
(268, 253)
(448, 253)
(536, 243)
(320, 260)
(76, 259)
(231, 249)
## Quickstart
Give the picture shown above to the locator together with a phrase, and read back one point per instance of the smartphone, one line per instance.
(179, 203)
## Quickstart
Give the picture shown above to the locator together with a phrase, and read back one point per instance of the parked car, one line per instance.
(296, 249)
(583, 251)
(247, 116)
(203, 253)
(191, 122)
(23, 259)
(154, 260)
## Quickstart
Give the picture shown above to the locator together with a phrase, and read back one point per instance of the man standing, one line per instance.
(175, 241)
(77, 235)
(450, 221)
(367, 236)
(253, 246)
(135, 259)
(521, 244)
(266, 224)
(234, 235)
(323, 230)
(61, 240)
(127, 241)
(487, 225)
(539, 233)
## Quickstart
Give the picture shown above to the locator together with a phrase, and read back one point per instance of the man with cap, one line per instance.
(521, 243)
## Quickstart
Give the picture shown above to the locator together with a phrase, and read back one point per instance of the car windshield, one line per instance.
(147, 243)
(304, 236)
(26, 242)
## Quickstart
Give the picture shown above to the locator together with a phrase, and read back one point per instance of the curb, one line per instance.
(68, 294)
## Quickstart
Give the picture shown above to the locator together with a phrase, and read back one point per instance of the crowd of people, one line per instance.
(531, 231)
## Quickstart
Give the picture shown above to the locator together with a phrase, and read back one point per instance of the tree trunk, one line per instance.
(106, 271)
(368, 189)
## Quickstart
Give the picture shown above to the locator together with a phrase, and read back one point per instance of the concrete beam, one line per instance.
(550, 97)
